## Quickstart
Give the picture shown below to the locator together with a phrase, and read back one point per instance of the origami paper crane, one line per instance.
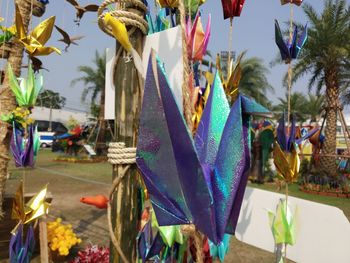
(232, 8)
(36, 142)
(199, 181)
(234, 76)
(35, 208)
(197, 40)
(282, 224)
(285, 153)
(35, 41)
(27, 90)
(19, 251)
(220, 251)
(121, 34)
(149, 247)
(169, 3)
(169, 234)
(296, 2)
(22, 149)
(290, 49)
(160, 24)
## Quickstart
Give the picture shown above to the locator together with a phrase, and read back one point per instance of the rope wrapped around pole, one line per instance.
(123, 157)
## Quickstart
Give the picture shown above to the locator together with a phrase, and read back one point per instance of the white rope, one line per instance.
(119, 154)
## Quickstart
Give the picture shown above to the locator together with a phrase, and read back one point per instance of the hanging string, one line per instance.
(187, 105)
(230, 46)
(290, 75)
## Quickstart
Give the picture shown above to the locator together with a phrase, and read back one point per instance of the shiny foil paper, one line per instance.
(200, 181)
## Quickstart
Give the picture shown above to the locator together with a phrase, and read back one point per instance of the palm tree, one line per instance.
(7, 99)
(298, 104)
(94, 81)
(254, 82)
(326, 56)
(314, 107)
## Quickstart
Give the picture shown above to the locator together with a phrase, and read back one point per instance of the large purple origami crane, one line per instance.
(201, 181)
(22, 150)
(290, 49)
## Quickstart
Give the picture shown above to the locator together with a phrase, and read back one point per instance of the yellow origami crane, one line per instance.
(234, 76)
(168, 3)
(120, 33)
(287, 163)
(200, 103)
(35, 41)
(35, 208)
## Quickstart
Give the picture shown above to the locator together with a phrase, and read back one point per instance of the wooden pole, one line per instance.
(44, 252)
(128, 90)
(7, 99)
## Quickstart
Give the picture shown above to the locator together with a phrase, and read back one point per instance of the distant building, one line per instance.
(62, 115)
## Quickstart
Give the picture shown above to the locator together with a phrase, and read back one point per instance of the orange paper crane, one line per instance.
(100, 201)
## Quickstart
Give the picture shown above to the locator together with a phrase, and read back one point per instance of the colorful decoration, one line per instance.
(232, 8)
(100, 201)
(169, 234)
(121, 34)
(234, 76)
(19, 117)
(8, 32)
(35, 41)
(92, 253)
(296, 2)
(291, 48)
(19, 251)
(22, 149)
(282, 224)
(161, 23)
(285, 153)
(61, 237)
(184, 177)
(27, 90)
(35, 208)
(149, 247)
(220, 251)
(197, 40)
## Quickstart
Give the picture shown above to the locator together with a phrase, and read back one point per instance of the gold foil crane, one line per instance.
(35, 41)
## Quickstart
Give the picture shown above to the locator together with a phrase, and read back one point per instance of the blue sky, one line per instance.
(253, 31)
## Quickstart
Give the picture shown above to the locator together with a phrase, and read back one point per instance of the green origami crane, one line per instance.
(28, 89)
(282, 224)
(169, 234)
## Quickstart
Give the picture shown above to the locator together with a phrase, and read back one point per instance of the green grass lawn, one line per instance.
(293, 189)
(70, 181)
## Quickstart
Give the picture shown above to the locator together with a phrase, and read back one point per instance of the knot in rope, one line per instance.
(125, 12)
(119, 154)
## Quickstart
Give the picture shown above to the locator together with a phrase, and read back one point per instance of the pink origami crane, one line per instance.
(232, 8)
(196, 39)
(296, 2)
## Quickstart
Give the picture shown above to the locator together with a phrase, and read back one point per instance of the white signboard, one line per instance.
(168, 45)
(89, 149)
(322, 235)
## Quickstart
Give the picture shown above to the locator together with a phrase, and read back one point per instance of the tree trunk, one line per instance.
(127, 107)
(7, 99)
(328, 165)
(101, 147)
